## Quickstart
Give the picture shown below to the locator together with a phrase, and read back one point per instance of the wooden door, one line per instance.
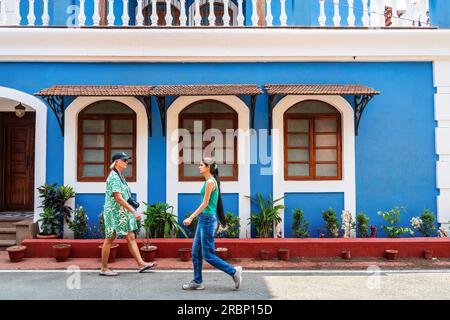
(19, 162)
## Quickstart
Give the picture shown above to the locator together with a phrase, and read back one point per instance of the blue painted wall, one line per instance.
(440, 13)
(395, 154)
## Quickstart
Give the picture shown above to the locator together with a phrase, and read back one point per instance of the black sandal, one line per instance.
(147, 267)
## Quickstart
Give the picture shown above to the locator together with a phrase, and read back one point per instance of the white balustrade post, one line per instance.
(283, 15)
(365, 17)
(45, 15)
(255, 16)
(269, 16)
(140, 14)
(96, 16)
(240, 16)
(322, 16)
(3, 17)
(423, 13)
(111, 17)
(81, 14)
(351, 14)
(183, 17)
(17, 17)
(226, 14)
(169, 18)
(154, 16)
(31, 17)
(125, 15)
(197, 16)
(212, 15)
(337, 16)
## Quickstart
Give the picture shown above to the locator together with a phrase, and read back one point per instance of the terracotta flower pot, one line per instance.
(391, 254)
(346, 254)
(61, 251)
(48, 236)
(264, 254)
(428, 254)
(373, 231)
(149, 253)
(16, 253)
(112, 252)
(284, 254)
(222, 253)
(185, 254)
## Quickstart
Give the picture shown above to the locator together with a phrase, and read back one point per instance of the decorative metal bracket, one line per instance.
(361, 102)
(272, 102)
(162, 113)
(57, 104)
(147, 102)
(252, 108)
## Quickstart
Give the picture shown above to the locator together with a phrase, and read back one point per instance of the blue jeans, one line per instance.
(203, 248)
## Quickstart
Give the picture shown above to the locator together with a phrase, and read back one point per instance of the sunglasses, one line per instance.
(125, 160)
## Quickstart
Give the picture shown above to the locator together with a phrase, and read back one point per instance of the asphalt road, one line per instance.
(306, 285)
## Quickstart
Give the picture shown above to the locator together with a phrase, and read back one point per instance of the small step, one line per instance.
(7, 233)
(8, 222)
(6, 243)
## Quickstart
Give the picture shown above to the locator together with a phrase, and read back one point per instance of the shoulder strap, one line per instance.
(123, 181)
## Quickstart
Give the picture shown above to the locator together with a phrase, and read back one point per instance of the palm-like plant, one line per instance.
(160, 222)
(268, 218)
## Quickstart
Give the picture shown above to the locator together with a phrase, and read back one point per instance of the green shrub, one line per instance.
(300, 226)
(50, 223)
(362, 225)
(392, 217)
(79, 225)
(268, 217)
(425, 223)
(332, 224)
(160, 222)
(233, 225)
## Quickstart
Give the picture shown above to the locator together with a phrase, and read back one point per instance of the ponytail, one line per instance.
(215, 173)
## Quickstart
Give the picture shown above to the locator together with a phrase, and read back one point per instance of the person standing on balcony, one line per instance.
(203, 246)
(120, 216)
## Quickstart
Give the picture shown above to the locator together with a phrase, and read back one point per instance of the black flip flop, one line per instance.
(147, 267)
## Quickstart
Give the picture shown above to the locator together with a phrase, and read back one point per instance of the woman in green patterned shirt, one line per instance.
(120, 217)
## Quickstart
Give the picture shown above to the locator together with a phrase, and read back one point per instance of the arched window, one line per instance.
(161, 11)
(219, 143)
(104, 128)
(312, 142)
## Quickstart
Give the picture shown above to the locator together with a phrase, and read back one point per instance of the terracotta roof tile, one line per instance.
(319, 89)
(206, 90)
(96, 91)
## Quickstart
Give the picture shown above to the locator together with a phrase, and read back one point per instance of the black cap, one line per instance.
(121, 156)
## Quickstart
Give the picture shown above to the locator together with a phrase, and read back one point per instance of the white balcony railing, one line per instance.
(154, 13)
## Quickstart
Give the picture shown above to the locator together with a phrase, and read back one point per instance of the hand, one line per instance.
(187, 221)
(137, 216)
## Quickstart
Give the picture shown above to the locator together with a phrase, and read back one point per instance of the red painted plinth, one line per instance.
(249, 248)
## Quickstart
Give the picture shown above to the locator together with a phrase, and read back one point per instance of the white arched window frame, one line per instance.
(347, 185)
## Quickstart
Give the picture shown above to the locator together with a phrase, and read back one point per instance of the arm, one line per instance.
(209, 189)
(120, 200)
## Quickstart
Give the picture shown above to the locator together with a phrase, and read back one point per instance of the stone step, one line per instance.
(8, 222)
(7, 233)
(6, 243)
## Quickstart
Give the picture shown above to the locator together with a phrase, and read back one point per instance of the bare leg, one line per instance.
(134, 249)
(106, 250)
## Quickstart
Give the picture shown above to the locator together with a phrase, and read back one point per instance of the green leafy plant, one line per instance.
(332, 224)
(192, 227)
(160, 222)
(300, 226)
(362, 225)
(79, 225)
(269, 216)
(392, 217)
(425, 223)
(50, 224)
(55, 198)
(233, 223)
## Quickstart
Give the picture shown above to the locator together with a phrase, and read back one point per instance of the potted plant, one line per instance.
(428, 254)
(233, 225)
(393, 218)
(16, 253)
(373, 231)
(222, 253)
(391, 254)
(348, 224)
(268, 218)
(61, 251)
(284, 254)
(185, 254)
(300, 226)
(164, 223)
(331, 223)
(424, 224)
(148, 251)
(50, 224)
(264, 254)
(362, 225)
(346, 255)
(79, 225)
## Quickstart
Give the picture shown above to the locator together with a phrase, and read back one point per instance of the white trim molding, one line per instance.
(348, 183)
(241, 187)
(40, 154)
(70, 146)
(442, 116)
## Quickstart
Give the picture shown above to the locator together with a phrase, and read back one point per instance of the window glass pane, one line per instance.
(107, 107)
(191, 124)
(93, 170)
(93, 156)
(93, 126)
(191, 170)
(298, 125)
(298, 170)
(326, 140)
(326, 155)
(225, 170)
(192, 156)
(298, 140)
(122, 126)
(121, 141)
(93, 141)
(326, 125)
(298, 155)
(326, 170)
(312, 106)
(222, 125)
(223, 156)
(208, 107)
